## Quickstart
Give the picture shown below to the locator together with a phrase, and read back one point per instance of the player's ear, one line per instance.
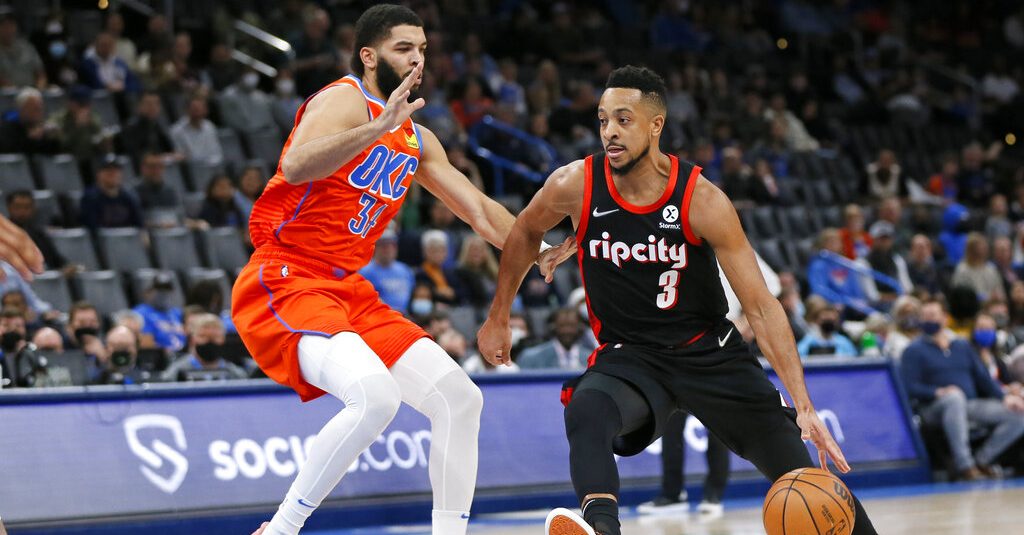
(369, 57)
(657, 124)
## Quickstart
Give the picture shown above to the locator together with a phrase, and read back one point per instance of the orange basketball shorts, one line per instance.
(280, 297)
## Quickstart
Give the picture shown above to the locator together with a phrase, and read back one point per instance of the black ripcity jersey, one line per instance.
(649, 280)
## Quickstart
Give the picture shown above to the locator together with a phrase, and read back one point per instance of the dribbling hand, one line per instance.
(17, 249)
(398, 107)
(549, 259)
(494, 340)
(813, 429)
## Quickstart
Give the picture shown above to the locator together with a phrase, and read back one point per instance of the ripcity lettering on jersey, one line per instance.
(655, 250)
(384, 172)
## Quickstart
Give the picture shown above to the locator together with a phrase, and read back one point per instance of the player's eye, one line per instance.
(603, 121)
(623, 120)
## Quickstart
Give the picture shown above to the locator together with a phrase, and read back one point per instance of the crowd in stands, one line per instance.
(868, 147)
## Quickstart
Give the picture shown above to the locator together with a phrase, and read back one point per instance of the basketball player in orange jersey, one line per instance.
(306, 315)
(649, 228)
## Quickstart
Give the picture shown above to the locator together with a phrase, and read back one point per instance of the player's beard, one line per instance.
(388, 79)
(625, 168)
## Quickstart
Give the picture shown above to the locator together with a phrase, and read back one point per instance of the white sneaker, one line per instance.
(664, 506)
(711, 509)
(562, 521)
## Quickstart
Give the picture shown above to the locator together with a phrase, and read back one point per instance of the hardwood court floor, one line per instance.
(982, 509)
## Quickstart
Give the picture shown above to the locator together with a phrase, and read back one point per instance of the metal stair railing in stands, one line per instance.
(500, 164)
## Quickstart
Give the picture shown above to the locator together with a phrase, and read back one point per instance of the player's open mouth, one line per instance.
(614, 151)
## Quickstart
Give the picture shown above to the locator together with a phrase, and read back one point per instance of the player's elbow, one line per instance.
(293, 171)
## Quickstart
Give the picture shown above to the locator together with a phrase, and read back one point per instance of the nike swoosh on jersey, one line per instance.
(599, 214)
(721, 341)
(304, 503)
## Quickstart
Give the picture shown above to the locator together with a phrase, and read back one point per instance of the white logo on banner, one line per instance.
(158, 452)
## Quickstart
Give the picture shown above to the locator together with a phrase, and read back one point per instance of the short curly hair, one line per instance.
(375, 25)
(648, 82)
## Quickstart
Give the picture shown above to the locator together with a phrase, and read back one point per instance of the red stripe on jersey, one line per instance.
(581, 230)
(593, 355)
(685, 216)
(695, 338)
(588, 176)
(629, 207)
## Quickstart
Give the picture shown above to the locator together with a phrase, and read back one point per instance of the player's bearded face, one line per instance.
(388, 78)
(625, 167)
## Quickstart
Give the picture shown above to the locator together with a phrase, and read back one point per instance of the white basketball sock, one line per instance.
(450, 522)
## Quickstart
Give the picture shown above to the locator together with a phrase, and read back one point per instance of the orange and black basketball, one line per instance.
(808, 501)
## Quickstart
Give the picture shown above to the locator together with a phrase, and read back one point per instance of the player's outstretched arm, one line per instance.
(561, 196)
(17, 249)
(487, 218)
(713, 218)
(334, 129)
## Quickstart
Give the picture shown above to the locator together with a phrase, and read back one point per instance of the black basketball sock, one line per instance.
(603, 515)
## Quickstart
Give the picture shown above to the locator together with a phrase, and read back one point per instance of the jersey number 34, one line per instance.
(367, 217)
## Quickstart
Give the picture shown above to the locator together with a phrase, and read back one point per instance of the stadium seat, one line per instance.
(566, 279)
(60, 173)
(193, 203)
(102, 289)
(54, 100)
(47, 207)
(174, 248)
(52, 287)
(202, 173)
(765, 222)
(7, 96)
(15, 173)
(143, 278)
(174, 177)
(123, 249)
(831, 216)
(464, 320)
(801, 221)
(76, 246)
(772, 253)
(103, 105)
(163, 217)
(820, 192)
(128, 170)
(264, 145)
(224, 248)
(231, 146)
(196, 274)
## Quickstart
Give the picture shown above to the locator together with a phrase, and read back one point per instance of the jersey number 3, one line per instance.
(367, 218)
(669, 282)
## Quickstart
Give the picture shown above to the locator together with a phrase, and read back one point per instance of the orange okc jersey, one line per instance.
(311, 240)
(338, 219)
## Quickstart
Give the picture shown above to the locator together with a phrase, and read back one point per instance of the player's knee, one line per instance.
(462, 398)
(591, 414)
(378, 399)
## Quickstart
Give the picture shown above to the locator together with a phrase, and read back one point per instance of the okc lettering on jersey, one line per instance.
(384, 172)
(654, 250)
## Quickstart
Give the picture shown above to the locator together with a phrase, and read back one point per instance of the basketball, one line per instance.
(808, 501)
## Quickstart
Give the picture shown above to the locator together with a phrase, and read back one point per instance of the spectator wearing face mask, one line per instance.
(984, 337)
(161, 318)
(121, 368)
(823, 338)
(905, 325)
(421, 303)
(48, 339)
(204, 359)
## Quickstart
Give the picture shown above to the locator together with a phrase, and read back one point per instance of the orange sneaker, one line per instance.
(562, 521)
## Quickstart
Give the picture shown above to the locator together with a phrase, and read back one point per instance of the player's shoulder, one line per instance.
(338, 96)
(568, 176)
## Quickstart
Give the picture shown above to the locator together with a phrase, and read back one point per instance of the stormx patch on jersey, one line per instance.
(655, 250)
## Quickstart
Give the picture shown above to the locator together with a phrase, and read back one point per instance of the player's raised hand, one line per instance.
(549, 260)
(398, 107)
(813, 429)
(494, 340)
(17, 249)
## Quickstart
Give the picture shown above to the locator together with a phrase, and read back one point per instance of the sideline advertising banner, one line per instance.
(157, 451)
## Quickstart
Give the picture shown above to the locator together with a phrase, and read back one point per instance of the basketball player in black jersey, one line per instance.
(648, 230)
